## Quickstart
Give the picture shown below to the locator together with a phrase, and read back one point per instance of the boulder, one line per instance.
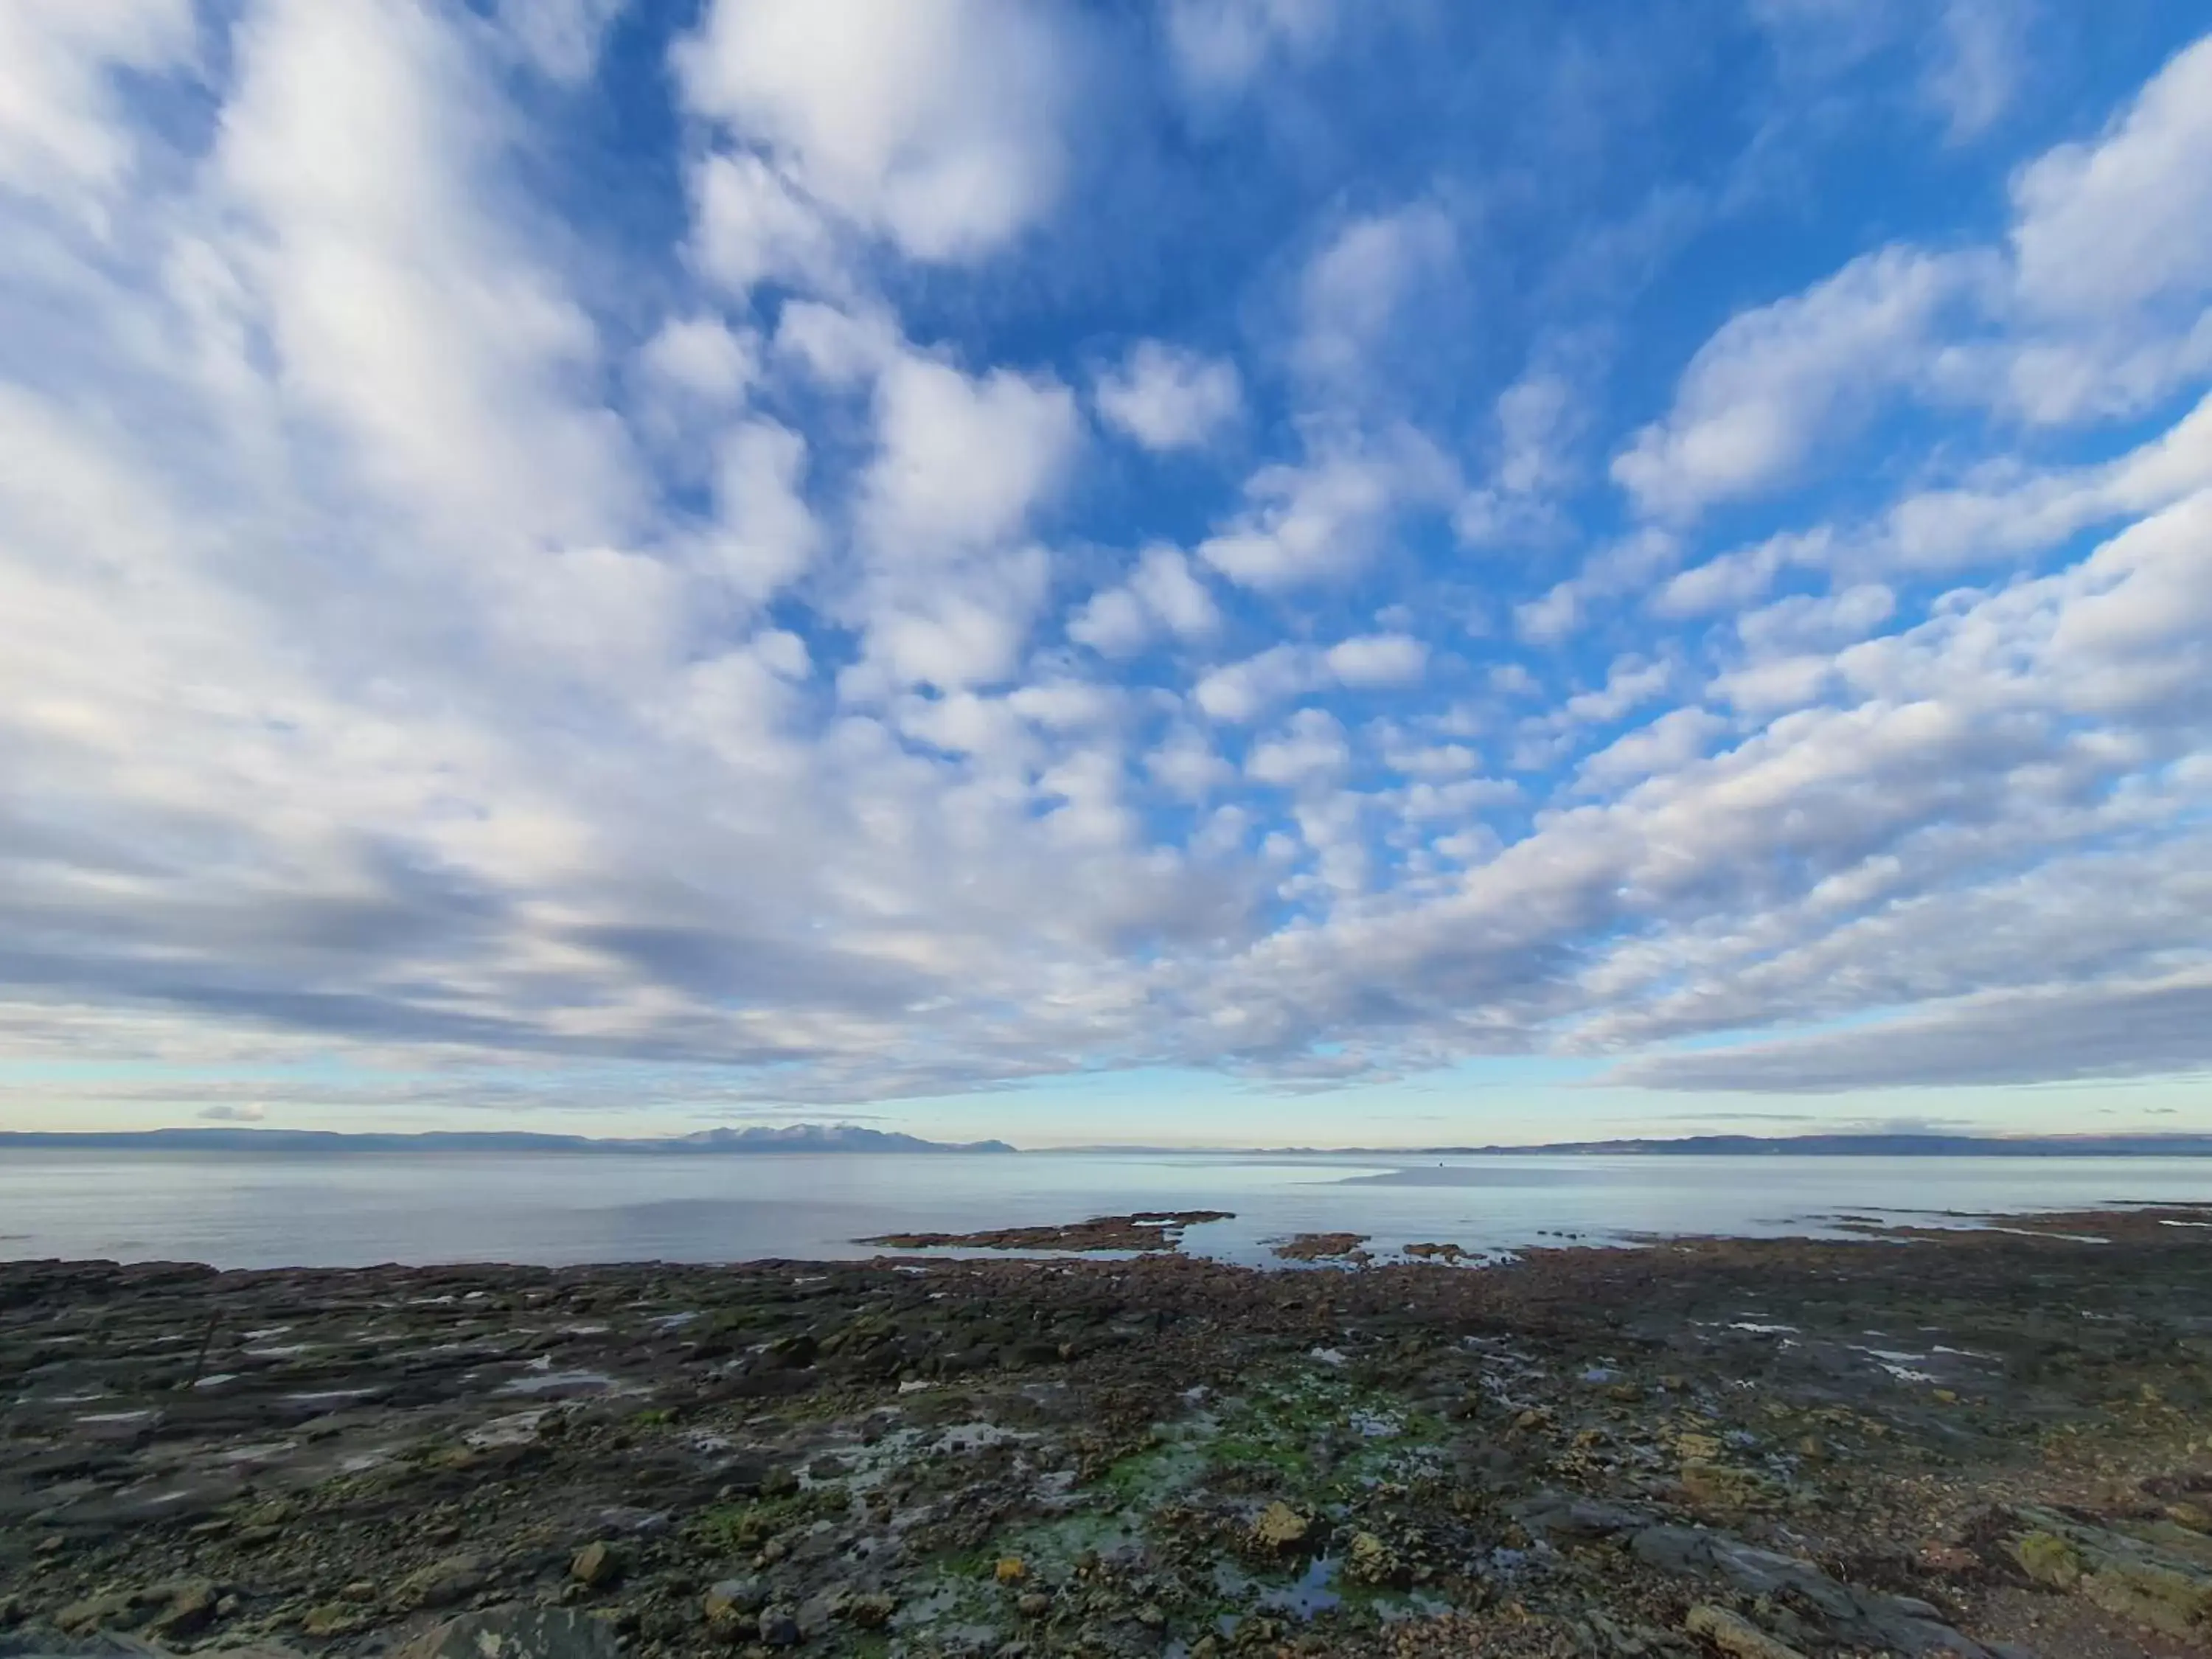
(595, 1564)
(732, 1600)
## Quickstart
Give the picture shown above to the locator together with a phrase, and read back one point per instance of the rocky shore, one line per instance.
(1992, 1442)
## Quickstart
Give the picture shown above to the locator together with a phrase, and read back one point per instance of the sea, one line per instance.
(276, 1209)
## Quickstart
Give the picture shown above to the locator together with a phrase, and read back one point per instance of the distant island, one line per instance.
(798, 1137)
(1811, 1145)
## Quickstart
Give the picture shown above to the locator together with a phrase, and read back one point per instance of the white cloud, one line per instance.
(1217, 47)
(2036, 1034)
(1816, 38)
(1736, 578)
(934, 123)
(1551, 617)
(1775, 382)
(1113, 622)
(355, 149)
(1310, 749)
(1326, 519)
(1164, 582)
(1186, 765)
(1894, 814)
(1620, 567)
(1372, 661)
(1432, 761)
(561, 37)
(62, 125)
(1536, 417)
(2001, 514)
(1666, 744)
(765, 536)
(1803, 623)
(965, 635)
(233, 1114)
(1162, 594)
(963, 461)
(1630, 682)
(1361, 284)
(1978, 60)
(2095, 309)
(1775, 685)
(2126, 218)
(1168, 399)
(701, 358)
(1242, 691)
(752, 226)
(840, 348)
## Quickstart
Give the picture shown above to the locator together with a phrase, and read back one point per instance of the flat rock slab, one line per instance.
(517, 1632)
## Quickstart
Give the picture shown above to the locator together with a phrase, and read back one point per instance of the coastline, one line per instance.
(1141, 1455)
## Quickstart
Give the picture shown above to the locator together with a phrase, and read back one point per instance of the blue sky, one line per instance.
(1238, 570)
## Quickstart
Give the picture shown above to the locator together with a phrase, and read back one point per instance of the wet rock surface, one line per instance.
(1321, 1246)
(1147, 1229)
(1993, 1443)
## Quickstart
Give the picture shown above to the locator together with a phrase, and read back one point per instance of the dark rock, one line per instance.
(790, 1354)
(778, 1626)
(1854, 1616)
(1554, 1514)
(190, 1609)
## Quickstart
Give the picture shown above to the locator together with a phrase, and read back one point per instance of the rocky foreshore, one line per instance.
(1995, 1441)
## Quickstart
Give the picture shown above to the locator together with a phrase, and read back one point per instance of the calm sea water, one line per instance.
(282, 1210)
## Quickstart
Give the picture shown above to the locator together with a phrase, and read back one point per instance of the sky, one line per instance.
(1236, 571)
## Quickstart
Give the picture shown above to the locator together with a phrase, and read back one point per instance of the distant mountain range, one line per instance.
(798, 1137)
(846, 1137)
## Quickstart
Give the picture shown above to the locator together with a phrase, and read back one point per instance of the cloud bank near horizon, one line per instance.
(827, 552)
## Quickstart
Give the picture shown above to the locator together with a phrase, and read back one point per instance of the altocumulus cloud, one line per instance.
(839, 552)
